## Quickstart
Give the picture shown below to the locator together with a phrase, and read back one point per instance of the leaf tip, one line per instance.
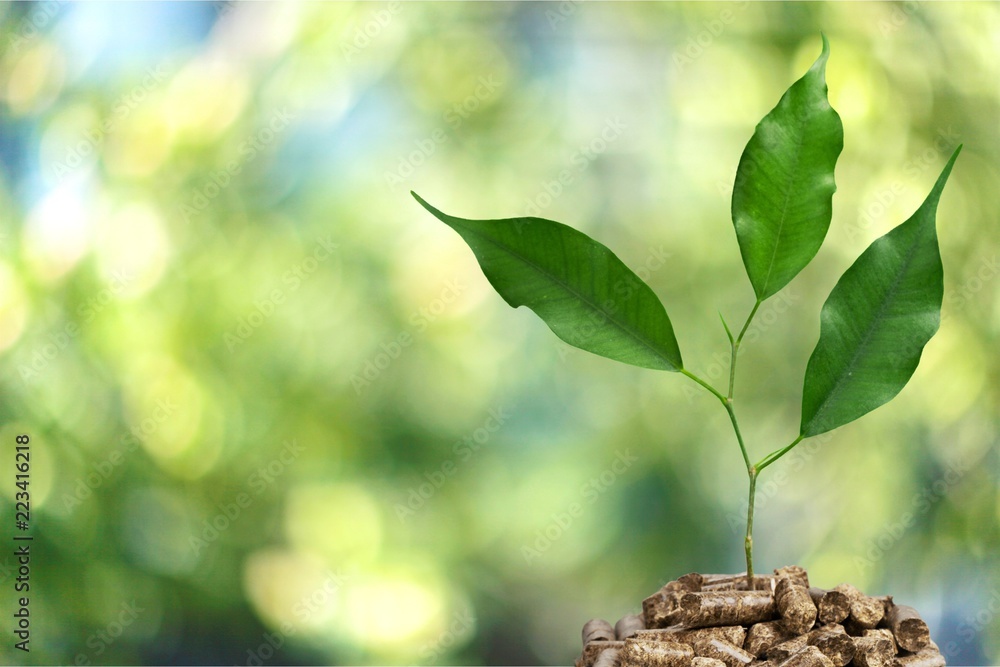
(945, 173)
(824, 55)
(430, 209)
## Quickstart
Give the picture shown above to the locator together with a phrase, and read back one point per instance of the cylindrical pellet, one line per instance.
(795, 573)
(607, 658)
(731, 656)
(763, 636)
(909, 629)
(833, 607)
(873, 651)
(699, 661)
(928, 657)
(885, 633)
(593, 650)
(798, 613)
(597, 630)
(810, 656)
(638, 653)
(785, 650)
(834, 643)
(715, 608)
(628, 626)
(663, 608)
(734, 634)
(866, 611)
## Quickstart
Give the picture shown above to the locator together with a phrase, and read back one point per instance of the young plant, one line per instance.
(874, 324)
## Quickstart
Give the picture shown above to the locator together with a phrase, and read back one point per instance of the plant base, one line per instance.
(714, 620)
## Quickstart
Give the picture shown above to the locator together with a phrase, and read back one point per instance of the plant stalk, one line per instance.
(748, 542)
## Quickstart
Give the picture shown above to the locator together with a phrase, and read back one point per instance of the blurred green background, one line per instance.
(278, 416)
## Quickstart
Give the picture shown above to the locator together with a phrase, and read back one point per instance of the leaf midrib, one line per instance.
(610, 316)
(839, 384)
(784, 209)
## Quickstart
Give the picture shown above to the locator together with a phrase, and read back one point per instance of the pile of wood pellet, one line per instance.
(713, 620)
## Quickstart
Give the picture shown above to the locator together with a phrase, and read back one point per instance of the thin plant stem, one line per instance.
(704, 384)
(728, 404)
(736, 427)
(735, 348)
(777, 454)
(748, 541)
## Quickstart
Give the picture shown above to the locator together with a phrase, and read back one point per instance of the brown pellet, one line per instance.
(798, 613)
(639, 653)
(785, 650)
(732, 656)
(873, 651)
(691, 581)
(909, 629)
(927, 657)
(834, 643)
(763, 636)
(607, 658)
(795, 573)
(699, 661)
(736, 582)
(662, 608)
(734, 634)
(628, 626)
(597, 630)
(866, 611)
(833, 607)
(885, 633)
(713, 608)
(593, 650)
(810, 656)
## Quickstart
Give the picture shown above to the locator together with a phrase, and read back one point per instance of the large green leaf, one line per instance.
(876, 322)
(586, 295)
(782, 198)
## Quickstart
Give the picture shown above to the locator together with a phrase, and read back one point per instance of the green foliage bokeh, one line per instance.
(278, 414)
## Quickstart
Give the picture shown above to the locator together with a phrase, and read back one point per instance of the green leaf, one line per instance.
(582, 291)
(876, 322)
(782, 198)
